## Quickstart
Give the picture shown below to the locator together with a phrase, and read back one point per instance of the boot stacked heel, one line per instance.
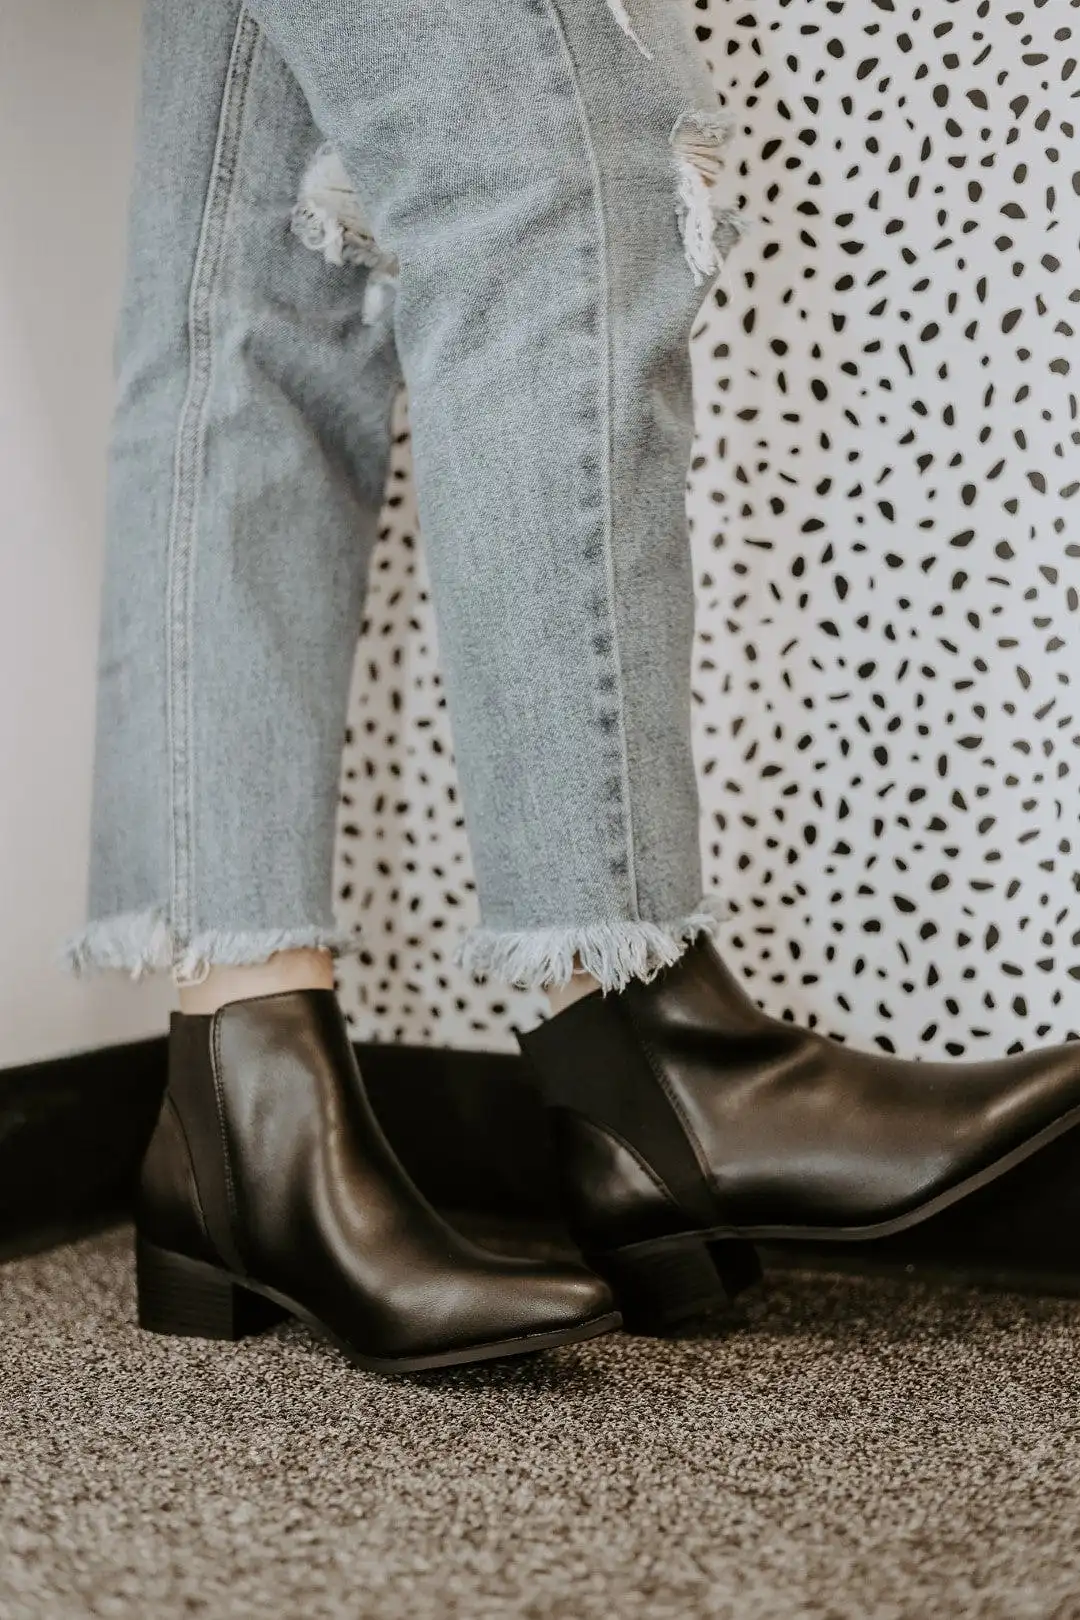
(192, 1300)
(659, 1285)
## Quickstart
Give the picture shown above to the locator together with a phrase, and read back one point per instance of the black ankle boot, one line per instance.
(687, 1122)
(269, 1189)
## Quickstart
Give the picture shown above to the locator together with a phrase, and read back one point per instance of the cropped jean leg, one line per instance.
(256, 379)
(527, 200)
(547, 176)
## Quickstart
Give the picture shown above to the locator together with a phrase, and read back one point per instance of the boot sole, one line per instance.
(191, 1299)
(663, 1281)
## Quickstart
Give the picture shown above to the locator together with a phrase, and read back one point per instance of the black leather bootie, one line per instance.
(687, 1123)
(268, 1188)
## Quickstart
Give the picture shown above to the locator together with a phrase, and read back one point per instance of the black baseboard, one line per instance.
(470, 1129)
(73, 1130)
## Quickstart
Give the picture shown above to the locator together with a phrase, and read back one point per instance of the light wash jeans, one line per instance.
(514, 205)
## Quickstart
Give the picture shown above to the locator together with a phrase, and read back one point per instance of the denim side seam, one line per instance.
(606, 647)
(190, 445)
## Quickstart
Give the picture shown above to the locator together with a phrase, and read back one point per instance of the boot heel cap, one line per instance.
(192, 1300)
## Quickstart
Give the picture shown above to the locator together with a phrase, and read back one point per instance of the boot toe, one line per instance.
(569, 1297)
(504, 1307)
(536, 1299)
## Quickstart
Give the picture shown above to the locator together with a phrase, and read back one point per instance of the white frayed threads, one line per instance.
(141, 942)
(613, 953)
(378, 296)
(708, 231)
(622, 17)
(133, 942)
(329, 219)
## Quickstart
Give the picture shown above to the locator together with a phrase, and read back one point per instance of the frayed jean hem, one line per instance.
(141, 942)
(614, 953)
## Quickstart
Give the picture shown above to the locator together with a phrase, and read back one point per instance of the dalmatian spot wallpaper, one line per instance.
(886, 536)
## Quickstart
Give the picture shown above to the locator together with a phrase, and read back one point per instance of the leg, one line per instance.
(257, 381)
(527, 164)
(250, 445)
(283, 971)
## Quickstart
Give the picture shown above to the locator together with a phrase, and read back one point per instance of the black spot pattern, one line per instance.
(888, 578)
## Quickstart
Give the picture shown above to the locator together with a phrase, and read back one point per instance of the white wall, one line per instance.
(67, 82)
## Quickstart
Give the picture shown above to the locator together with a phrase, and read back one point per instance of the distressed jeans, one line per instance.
(513, 206)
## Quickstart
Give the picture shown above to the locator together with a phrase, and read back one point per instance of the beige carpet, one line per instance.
(844, 1449)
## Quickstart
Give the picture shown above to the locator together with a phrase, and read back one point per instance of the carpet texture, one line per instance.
(843, 1448)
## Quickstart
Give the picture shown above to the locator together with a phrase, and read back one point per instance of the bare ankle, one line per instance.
(285, 970)
(561, 996)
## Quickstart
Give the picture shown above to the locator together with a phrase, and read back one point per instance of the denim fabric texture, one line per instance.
(515, 207)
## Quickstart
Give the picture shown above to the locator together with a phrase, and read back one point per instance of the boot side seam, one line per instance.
(656, 1068)
(226, 1156)
(643, 1164)
(196, 1198)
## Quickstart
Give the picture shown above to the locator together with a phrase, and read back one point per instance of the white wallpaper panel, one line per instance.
(883, 506)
